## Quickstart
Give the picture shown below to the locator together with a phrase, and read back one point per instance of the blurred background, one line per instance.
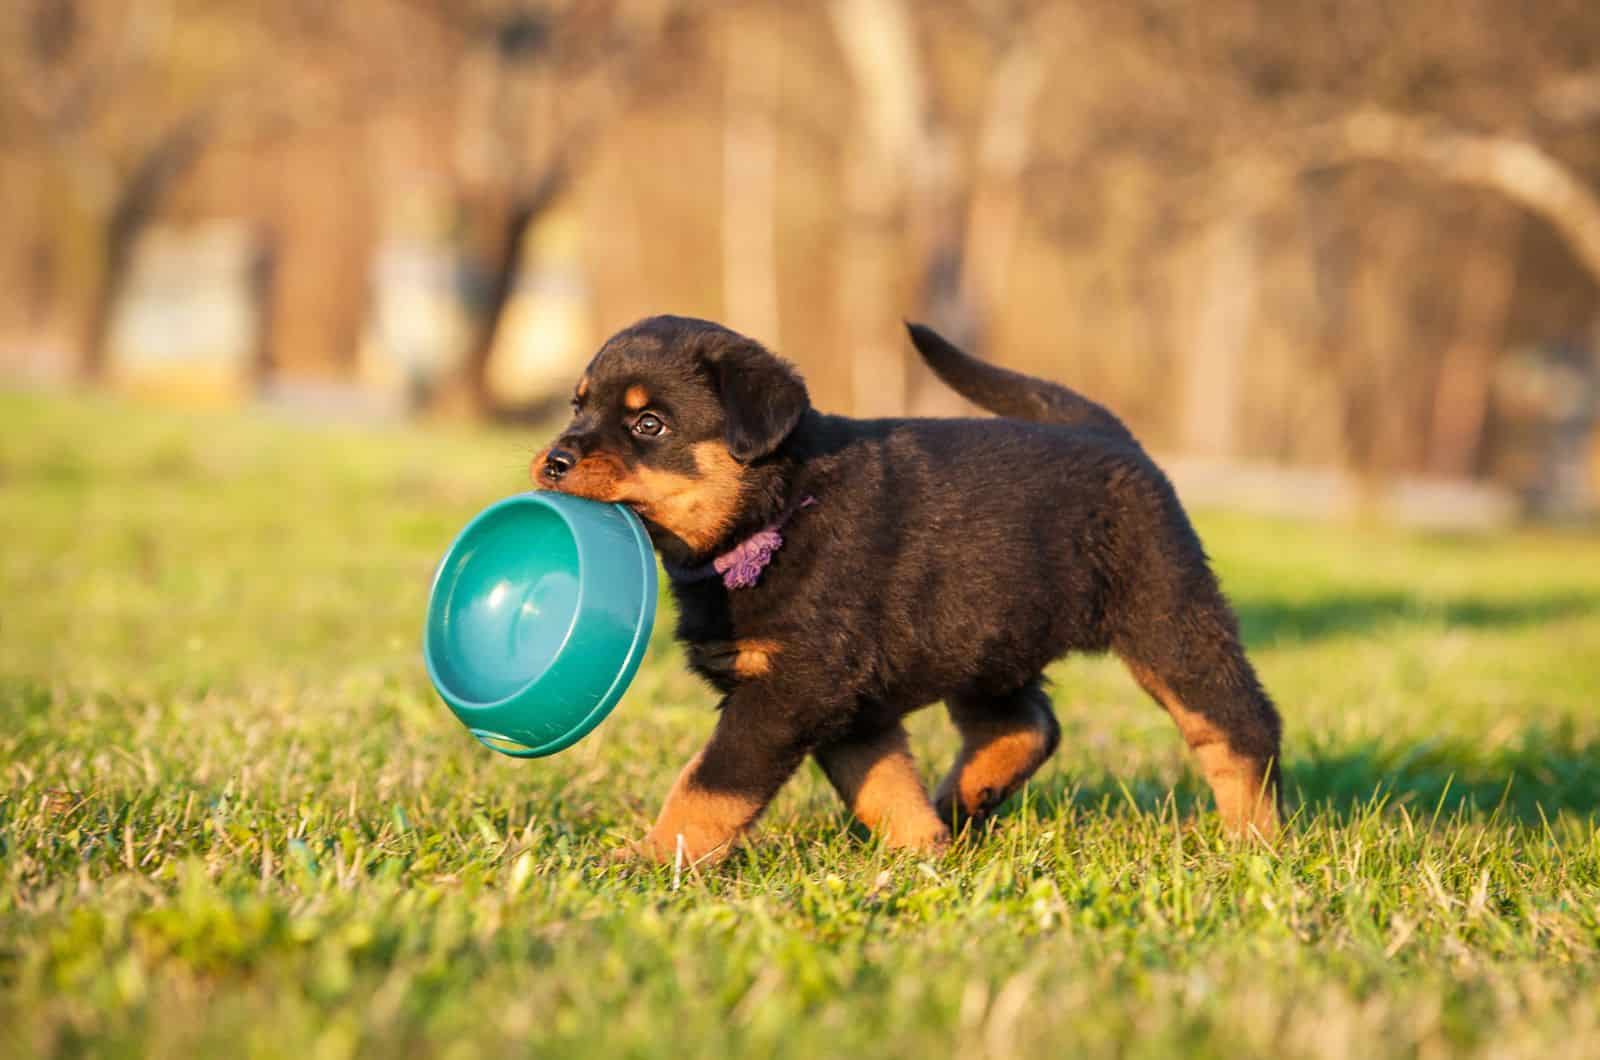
(1322, 256)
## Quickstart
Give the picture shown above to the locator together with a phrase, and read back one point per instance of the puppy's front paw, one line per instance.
(660, 849)
(692, 846)
(923, 837)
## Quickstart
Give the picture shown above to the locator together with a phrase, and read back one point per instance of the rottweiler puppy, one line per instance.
(833, 575)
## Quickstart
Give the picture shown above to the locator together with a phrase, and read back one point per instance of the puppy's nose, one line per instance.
(557, 462)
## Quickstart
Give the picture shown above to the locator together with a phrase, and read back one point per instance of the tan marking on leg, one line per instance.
(1238, 783)
(878, 780)
(709, 821)
(635, 398)
(997, 756)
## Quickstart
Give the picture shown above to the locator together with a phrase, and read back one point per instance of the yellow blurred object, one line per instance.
(1594, 461)
(205, 386)
(188, 328)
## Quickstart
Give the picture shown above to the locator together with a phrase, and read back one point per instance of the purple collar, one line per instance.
(740, 567)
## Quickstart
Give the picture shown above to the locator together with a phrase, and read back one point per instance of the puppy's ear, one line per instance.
(762, 395)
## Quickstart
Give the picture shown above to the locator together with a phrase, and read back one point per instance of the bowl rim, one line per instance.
(546, 501)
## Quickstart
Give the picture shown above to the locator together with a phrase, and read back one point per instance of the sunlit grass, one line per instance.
(235, 820)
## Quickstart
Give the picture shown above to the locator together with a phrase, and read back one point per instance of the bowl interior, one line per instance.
(505, 602)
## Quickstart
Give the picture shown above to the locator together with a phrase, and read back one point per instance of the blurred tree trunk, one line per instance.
(1483, 304)
(1223, 321)
(752, 71)
(879, 42)
(1005, 148)
(939, 207)
(1333, 247)
(1384, 429)
(138, 199)
(969, 223)
(506, 226)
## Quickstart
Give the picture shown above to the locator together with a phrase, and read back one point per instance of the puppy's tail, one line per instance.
(1008, 393)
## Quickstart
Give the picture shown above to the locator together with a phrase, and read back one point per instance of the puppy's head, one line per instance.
(673, 418)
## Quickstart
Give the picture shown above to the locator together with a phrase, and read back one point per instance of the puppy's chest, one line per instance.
(727, 641)
(728, 663)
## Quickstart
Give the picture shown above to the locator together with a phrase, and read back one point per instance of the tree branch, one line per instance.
(1520, 170)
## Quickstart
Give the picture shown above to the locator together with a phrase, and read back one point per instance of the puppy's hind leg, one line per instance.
(1169, 621)
(1209, 688)
(1004, 739)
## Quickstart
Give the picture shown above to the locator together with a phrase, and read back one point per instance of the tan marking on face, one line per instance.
(635, 398)
(698, 509)
(878, 780)
(1245, 801)
(583, 388)
(746, 659)
(709, 821)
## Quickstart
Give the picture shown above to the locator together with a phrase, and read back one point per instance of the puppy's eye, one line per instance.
(650, 425)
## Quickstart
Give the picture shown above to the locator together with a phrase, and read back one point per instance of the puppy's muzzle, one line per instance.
(557, 462)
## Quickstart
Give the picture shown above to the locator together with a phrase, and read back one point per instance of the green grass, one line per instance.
(234, 820)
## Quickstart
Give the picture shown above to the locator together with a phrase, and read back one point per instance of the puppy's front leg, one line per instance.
(724, 788)
(877, 778)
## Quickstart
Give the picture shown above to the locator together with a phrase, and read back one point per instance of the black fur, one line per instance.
(762, 397)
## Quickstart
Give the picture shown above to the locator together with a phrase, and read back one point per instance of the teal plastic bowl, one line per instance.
(538, 617)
